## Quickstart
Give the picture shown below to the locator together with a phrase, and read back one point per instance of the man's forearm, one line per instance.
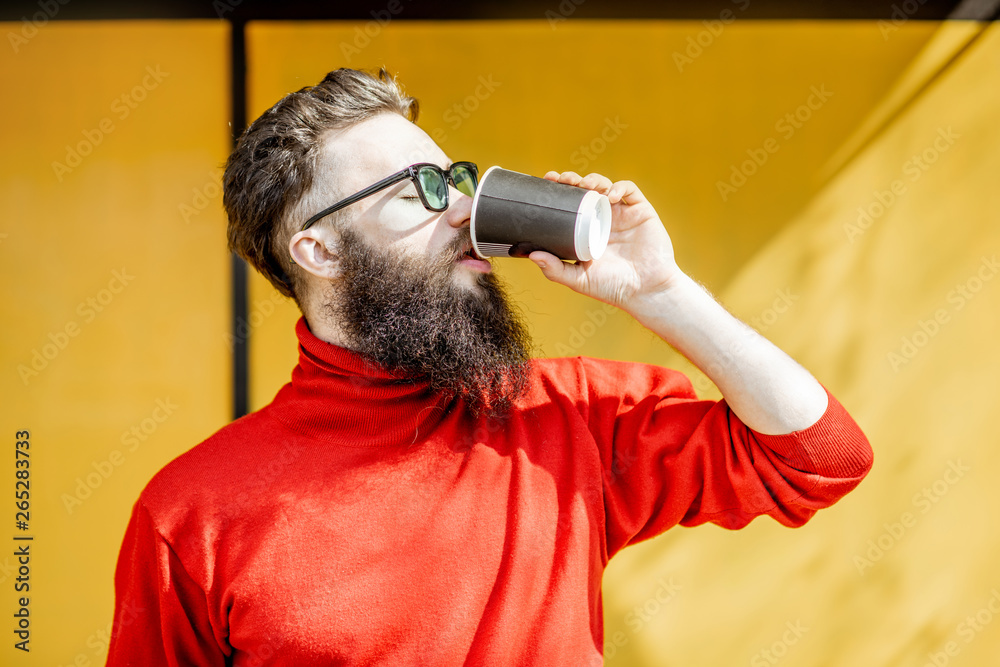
(766, 388)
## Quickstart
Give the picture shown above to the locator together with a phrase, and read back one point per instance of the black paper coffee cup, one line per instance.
(514, 214)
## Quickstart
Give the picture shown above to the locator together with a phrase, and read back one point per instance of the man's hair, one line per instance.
(275, 160)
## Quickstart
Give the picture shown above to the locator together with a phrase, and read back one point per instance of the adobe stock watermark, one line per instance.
(778, 649)
(784, 301)
(122, 107)
(30, 26)
(262, 309)
(926, 329)
(253, 487)
(587, 153)
(914, 167)
(579, 334)
(100, 640)
(430, 141)
(59, 340)
(923, 501)
(261, 654)
(565, 9)
(363, 36)
(201, 199)
(786, 126)
(642, 614)
(967, 630)
(462, 110)
(901, 13)
(223, 7)
(705, 38)
(7, 569)
(103, 469)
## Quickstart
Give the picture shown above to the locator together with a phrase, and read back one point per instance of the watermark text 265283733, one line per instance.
(22, 517)
(22, 481)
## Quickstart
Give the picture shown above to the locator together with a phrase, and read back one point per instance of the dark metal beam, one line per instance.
(238, 268)
(248, 10)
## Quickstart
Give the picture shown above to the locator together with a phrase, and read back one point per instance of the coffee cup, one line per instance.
(514, 214)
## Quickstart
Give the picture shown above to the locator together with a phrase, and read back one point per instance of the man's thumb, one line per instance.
(552, 267)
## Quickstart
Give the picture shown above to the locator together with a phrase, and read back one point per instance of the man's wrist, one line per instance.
(655, 309)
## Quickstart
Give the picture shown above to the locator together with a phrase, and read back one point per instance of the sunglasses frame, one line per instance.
(408, 173)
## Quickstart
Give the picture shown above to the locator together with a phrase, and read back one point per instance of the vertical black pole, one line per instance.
(238, 268)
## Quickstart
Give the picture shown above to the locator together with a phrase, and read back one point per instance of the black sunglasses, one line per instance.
(432, 186)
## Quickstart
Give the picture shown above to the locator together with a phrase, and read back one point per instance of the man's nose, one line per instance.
(459, 210)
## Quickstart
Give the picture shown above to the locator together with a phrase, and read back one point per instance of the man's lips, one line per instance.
(469, 259)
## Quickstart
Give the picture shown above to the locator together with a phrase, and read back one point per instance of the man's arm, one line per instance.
(766, 388)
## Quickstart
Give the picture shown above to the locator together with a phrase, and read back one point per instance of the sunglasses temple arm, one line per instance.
(358, 196)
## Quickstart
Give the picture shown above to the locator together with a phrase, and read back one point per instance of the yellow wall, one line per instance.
(555, 88)
(157, 335)
(923, 273)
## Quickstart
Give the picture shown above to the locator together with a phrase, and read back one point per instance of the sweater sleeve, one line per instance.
(161, 615)
(669, 458)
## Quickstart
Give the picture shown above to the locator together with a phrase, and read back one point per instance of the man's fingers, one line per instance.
(555, 269)
(570, 178)
(592, 181)
(625, 192)
(596, 182)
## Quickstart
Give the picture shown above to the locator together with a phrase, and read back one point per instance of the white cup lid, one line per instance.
(593, 226)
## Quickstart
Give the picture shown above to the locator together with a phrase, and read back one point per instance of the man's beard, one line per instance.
(408, 315)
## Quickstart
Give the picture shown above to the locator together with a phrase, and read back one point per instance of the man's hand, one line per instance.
(639, 260)
(765, 387)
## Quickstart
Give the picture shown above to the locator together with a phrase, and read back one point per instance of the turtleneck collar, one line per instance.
(340, 396)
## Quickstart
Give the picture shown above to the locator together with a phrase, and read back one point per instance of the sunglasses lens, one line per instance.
(465, 179)
(435, 188)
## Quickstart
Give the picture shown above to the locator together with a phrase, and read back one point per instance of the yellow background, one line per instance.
(146, 201)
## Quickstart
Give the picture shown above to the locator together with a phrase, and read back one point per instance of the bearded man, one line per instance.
(423, 491)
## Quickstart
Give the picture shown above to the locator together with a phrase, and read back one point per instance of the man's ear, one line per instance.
(317, 251)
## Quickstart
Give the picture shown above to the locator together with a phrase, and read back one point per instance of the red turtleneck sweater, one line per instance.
(360, 520)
